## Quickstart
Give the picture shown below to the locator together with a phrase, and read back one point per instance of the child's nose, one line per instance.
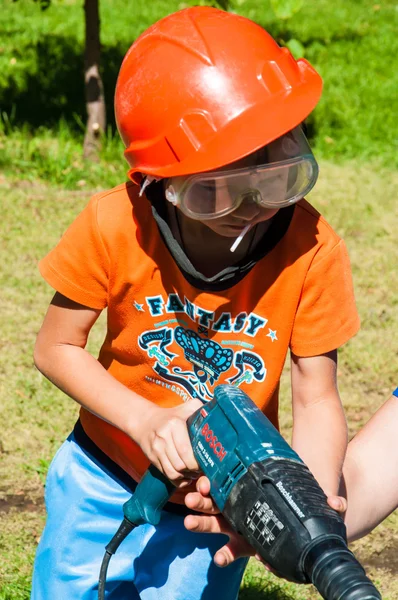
(247, 210)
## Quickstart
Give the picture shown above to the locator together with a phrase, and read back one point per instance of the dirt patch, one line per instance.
(21, 502)
(387, 559)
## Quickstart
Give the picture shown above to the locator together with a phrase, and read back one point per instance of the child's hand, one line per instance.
(163, 437)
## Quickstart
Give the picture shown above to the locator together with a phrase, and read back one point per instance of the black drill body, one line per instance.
(266, 493)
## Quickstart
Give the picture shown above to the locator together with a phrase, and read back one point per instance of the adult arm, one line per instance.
(370, 473)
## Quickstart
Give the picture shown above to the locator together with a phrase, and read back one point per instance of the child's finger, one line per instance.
(183, 483)
(203, 486)
(236, 548)
(224, 557)
(338, 503)
(174, 457)
(183, 447)
(195, 501)
(205, 524)
(168, 469)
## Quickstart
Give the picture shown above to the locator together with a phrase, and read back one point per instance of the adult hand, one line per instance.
(213, 522)
(163, 437)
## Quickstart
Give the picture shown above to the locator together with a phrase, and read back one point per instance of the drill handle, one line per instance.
(151, 494)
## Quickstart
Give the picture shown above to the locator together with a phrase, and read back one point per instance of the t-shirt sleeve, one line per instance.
(78, 266)
(326, 317)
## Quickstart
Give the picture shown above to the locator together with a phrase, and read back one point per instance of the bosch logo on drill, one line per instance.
(213, 442)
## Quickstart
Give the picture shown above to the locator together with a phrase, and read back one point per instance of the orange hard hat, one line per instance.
(202, 88)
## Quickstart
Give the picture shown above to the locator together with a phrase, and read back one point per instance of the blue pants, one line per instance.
(84, 509)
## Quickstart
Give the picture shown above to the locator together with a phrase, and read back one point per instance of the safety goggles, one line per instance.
(275, 176)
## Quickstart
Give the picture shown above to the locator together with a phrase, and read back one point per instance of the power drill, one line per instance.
(266, 493)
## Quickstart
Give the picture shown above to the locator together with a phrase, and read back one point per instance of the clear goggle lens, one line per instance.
(275, 176)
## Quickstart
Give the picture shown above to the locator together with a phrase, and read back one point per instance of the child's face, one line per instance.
(249, 191)
(248, 212)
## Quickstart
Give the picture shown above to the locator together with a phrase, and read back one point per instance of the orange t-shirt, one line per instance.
(170, 341)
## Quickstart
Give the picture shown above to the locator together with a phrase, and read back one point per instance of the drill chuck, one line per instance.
(336, 573)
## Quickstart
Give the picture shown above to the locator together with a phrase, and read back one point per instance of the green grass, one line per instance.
(55, 155)
(357, 199)
(351, 43)
(20, 534)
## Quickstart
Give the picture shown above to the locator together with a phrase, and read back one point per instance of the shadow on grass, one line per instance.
(282, 32)
(49, 83)
(263, 591)
(259, 584)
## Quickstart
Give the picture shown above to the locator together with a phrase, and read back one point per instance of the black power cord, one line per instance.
(125, 528)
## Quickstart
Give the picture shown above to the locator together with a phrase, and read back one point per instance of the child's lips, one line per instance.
(236, 226)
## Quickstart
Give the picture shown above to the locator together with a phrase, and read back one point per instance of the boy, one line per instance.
(210, 271)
